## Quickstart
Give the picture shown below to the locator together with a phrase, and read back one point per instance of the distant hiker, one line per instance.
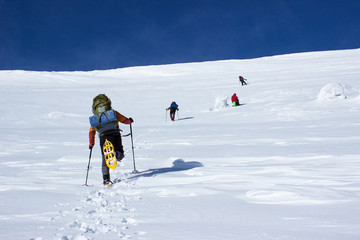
(235, 100)
(242, 81)
(105, 122)
(173, 108)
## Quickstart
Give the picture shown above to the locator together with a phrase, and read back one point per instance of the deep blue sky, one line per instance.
(105, 34)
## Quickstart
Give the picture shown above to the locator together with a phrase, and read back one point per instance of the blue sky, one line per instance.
(67, 35)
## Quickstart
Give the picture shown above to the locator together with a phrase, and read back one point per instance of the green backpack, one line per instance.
(101, 103)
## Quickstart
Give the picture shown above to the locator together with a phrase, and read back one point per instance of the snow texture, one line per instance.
(334, 91)
(220, 103)
(283, 165)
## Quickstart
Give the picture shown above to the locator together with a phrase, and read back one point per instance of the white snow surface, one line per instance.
(283, 165)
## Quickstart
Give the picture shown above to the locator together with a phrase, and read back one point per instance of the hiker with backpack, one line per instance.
(173, 108)
(242, 81)
(235, 100)
(105, 123)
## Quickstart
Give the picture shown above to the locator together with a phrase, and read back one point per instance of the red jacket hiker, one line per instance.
(235, 100)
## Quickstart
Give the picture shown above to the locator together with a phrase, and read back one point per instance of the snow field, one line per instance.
(284, 165)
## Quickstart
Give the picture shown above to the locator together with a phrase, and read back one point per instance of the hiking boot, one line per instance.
(107, 182)
(119, 156)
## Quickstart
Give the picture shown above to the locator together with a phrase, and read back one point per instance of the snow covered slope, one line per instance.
(283, 165)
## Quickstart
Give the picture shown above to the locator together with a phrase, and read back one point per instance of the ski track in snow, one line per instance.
(102, 211)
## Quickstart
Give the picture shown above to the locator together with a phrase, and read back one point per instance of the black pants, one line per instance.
(172, 113)
(115, 139)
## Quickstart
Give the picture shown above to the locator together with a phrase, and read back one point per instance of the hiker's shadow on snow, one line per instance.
(185, 118)
(178, 165)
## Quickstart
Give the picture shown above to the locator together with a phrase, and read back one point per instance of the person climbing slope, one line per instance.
(173, 108)
(242, 81)
(105, 123)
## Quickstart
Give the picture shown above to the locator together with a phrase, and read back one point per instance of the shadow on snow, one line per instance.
(241, 104)
(185, 118)
(178, 165)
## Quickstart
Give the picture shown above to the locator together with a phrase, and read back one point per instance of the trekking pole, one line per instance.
(166, 115)
(88, 167)
(178, 114)
(132, 146)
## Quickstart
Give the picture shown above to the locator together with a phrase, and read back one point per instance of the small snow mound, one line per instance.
(220, 103)
(333, 91)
